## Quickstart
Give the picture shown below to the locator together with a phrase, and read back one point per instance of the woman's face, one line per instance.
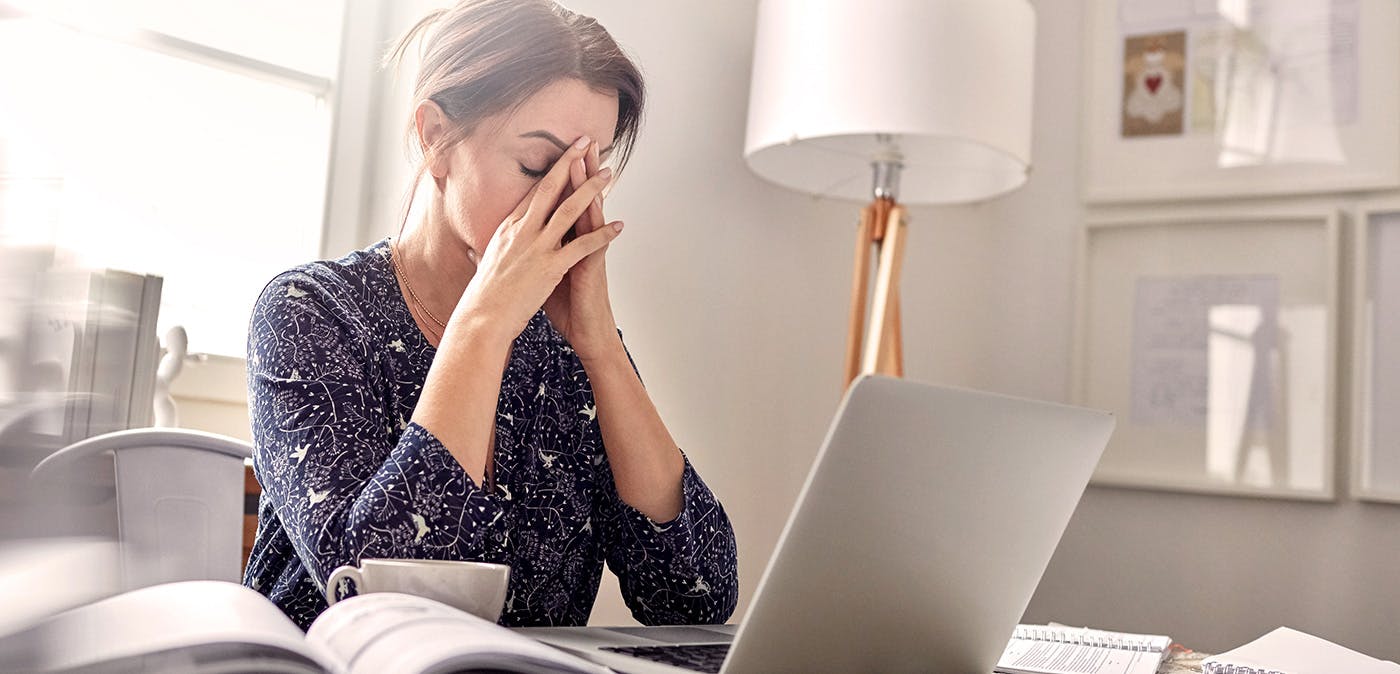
(490, 171)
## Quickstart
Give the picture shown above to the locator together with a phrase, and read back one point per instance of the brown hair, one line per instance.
(480, 58)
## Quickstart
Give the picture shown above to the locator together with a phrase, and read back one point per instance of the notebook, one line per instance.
(1288, 651)
(1058, 649)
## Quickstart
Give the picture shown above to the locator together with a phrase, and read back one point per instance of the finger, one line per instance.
(577, 177)
(568, 212)
(524, 204)
(576, 180)
(548, 190)
(591, 158)
(577, 174)
(593, 217)
(590, 243)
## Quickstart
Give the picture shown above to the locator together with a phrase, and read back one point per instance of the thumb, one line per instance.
(587, 244)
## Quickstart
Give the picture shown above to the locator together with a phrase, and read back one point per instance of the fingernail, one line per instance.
(617, 226)
(582, 142)
(471, 255)
(606, 173)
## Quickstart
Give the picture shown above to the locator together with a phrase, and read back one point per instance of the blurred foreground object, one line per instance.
(77, 358)
(42, 577)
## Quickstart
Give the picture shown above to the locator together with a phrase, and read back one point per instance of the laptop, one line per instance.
(925, 524)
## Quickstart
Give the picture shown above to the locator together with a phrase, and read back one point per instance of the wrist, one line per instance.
(610, 355)
(479, 329)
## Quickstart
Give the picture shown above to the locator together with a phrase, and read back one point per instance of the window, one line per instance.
(185, 139)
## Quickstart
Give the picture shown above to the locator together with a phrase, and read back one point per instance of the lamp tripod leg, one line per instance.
(859, 289)
(896, 335)
(894, 342)
(881, 351)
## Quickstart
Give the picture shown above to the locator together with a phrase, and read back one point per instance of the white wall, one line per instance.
(732, 294)
(211, 394)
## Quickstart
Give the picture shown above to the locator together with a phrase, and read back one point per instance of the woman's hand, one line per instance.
(524, 261)
(579, 307)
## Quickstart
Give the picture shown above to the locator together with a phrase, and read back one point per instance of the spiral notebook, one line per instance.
(1058, 649)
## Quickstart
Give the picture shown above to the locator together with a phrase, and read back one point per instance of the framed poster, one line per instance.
(1193, 99)
(1375, 473)
(1213, 338)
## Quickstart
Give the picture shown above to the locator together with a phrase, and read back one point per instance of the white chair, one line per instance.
(179, 501)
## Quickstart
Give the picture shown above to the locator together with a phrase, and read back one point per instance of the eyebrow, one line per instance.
(558, 143)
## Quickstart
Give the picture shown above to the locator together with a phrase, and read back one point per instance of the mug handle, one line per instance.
(348, 575)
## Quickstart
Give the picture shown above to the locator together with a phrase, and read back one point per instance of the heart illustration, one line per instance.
(1153, 82)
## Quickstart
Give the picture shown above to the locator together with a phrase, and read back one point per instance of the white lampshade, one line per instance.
(949, 80)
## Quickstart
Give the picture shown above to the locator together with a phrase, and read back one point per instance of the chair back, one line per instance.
(179, 501)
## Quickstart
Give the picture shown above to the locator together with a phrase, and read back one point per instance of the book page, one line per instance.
(208, 620)
(395, 632)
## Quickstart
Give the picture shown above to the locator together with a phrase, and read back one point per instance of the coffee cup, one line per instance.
(479, 588)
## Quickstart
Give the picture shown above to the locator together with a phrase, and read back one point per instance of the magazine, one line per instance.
(216, 626)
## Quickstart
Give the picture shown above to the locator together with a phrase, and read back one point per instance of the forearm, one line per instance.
(646, 463)
(458, 403)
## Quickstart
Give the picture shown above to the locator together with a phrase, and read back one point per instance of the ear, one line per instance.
(432, 124)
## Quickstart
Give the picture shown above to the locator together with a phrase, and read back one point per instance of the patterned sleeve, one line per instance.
(349, 477)
(671, 573)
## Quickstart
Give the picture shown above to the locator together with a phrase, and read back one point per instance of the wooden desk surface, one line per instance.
(251, 491)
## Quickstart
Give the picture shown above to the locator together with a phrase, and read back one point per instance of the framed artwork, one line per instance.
(1213, 338)
(1192, 99)
(1375, 473)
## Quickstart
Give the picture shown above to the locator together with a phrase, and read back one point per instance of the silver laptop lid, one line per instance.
(924, 527)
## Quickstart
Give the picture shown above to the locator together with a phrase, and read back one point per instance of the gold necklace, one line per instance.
(490, 481)
(394, 259)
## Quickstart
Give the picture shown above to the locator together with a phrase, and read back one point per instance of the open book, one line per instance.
(216, 626)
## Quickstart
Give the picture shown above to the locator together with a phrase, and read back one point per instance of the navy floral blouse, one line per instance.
(335, 367)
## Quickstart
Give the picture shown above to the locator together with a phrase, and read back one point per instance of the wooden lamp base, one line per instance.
(882, 227)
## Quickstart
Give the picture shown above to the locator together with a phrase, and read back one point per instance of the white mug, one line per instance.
(479, 588)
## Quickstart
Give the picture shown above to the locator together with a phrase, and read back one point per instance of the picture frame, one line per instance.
(1183, 101)
(1375, 297)
(1212, 337)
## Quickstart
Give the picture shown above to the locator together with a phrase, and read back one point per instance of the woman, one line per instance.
(413, 399)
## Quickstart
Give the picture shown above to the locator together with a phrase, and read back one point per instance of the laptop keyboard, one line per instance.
(698, 657)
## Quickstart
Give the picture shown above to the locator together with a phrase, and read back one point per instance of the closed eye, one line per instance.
(524, 170)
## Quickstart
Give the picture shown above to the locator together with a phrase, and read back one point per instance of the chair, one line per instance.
(179, 501)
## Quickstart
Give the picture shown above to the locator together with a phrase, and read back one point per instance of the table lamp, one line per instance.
(891, 102)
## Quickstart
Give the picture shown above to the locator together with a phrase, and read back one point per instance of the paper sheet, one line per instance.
(1172, 333)
(1288, 650)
